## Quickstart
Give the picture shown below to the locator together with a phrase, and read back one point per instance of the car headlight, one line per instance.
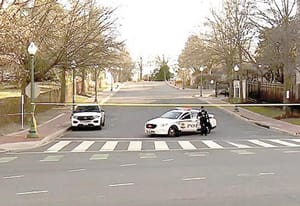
(164, 124)
(96, 116)
(75, 117)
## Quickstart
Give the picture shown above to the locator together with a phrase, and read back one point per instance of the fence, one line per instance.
(10, 108)
(268, 92)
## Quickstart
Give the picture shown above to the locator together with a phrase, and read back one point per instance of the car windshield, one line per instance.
(92, 108)
(171, 115)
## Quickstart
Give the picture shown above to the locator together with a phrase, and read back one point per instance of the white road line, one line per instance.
(260, 143)
(167, 160)
(161, 145)
(212, 144)
(186, 145)
(99, 157)
(109, 146)
(292, 151)
(32, 192)
(147, 155)
(242, 146)
(13, 177)
(194, 178)
(284, 143)
(58, 146)
(295, 140)
(121, 184)
(52, 158)
(242, 152)
(7, 159)
(83, 146)
(77, 170)
(127, 165)
(266, 173)
(196, 154)
(135, 146)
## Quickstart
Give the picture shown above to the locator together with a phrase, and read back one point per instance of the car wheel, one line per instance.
(103, 123)
(74, 128)
(173, 131)
(99, 127)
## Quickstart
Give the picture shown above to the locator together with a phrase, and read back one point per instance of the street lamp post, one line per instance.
(73, 67)
(236, 69)
(32, 49)
(201, 83)
(212, 83)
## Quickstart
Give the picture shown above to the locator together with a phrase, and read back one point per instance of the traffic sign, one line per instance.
(37, 90)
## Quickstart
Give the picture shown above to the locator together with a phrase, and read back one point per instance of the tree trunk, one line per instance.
(83, 77)
(63, 86)
(289, 71)
(229, 68)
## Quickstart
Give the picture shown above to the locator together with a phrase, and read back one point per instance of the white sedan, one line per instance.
(177, 121)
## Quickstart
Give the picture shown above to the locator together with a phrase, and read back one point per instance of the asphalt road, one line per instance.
(207, 175)
(128, 122)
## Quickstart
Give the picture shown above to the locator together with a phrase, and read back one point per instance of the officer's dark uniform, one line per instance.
(203, 117)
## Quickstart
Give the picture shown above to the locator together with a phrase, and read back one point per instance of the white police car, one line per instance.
(177, 121)
(88, 115)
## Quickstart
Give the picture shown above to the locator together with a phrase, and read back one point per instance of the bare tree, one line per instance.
(194, 53)
(279, 18)
(84, 32)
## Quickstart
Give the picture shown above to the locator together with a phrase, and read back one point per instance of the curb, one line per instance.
(258, 123)
(35, 144)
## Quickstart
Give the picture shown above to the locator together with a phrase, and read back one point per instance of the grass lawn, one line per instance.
(293, 120)
(82, 99)
(5, 93)
(267, 111)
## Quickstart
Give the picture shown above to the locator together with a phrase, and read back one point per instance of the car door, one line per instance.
(186, 123)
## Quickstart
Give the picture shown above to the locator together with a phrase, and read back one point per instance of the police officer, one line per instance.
(203, 118)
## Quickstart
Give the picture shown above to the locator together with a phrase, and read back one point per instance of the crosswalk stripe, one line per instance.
(7, 159)
(284, 143)
(83, 146)
(187, 145)
(242, 146)
(52, 158)
(135, 146)
(109, 146)
(260, 143)
(212, 144)
(161, 145)
(58, 146)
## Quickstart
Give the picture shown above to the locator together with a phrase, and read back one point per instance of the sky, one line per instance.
(159, 27)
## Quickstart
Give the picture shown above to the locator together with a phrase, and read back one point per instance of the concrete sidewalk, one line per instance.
(50, 128)
(267, 122)
(256, 118)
